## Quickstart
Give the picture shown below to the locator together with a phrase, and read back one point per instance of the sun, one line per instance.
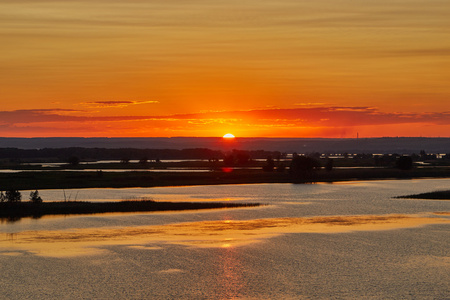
(228, 136)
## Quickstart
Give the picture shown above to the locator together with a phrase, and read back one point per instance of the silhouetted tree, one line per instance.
(270, 164)
(228, 160)
(377, 161)
(302, 167)
(404, 163)
(73, 160)
(415, 156)
(315, 155)
(35, 198)
(386, 160)
(423, 154)
(278, 156)
(329, 164)
(242, 157)
(281, 168)
(13, 196)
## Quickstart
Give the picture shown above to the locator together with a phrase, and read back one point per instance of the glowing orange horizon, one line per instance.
(385, 77)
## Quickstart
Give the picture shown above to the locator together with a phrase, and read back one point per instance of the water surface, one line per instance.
(345, 240)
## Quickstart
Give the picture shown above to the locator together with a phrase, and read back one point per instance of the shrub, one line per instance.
(35, 198)
(304, 164)
(303, 167)
(329, 165)
(404, 163)
(73, 161)
(270, 165)
(13, 196)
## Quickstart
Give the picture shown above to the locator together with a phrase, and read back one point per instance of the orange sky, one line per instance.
(278, 68)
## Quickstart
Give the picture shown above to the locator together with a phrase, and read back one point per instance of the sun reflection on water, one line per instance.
(223, 234)
(232, 283)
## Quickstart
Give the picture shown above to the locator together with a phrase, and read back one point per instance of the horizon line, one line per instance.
(219, 137)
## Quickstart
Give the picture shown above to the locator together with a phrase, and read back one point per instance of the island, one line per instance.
(436, 195)
(16, 210)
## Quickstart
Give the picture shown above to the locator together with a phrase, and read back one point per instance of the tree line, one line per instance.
(14, 196)
(63, 154)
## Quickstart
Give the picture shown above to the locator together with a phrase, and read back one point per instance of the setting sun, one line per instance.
(228, 136)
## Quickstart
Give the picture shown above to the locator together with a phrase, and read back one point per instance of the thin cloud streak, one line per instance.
(310, 117)
(117, 104)
(327, 116)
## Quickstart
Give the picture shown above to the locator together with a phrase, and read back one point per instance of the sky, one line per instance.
(253, 68)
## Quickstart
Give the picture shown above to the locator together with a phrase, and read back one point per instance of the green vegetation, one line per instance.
(437, 195)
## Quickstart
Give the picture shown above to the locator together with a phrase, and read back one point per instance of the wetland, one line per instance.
(349, 239)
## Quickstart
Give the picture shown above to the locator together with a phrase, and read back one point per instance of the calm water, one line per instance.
(268, 252)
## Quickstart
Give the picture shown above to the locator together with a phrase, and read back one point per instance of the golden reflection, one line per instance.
(228, 243)
(231, 283)
(226, 234)
(443, 213)
(11, 253)
(171, 271)
(140, 247)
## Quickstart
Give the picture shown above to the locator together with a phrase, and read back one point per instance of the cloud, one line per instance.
(30, 116)
(322, 116)
(424, 52)
(309, 104)
(117, 104)
(37, 115)
(317, 121)
(312, 117)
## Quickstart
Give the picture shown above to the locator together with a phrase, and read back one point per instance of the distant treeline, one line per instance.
(86, 154)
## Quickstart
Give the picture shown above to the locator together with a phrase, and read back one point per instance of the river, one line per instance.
(322, 241)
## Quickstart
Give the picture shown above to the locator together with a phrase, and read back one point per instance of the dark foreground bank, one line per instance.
(82, 179)
(36, 210)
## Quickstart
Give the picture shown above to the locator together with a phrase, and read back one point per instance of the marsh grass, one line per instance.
(436, 195)
(14, 211)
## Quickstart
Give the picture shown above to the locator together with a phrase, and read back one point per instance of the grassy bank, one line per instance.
(79, 179)
(19, 210)
(437, 195)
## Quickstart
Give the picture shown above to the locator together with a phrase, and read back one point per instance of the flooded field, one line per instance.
(345, 240)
